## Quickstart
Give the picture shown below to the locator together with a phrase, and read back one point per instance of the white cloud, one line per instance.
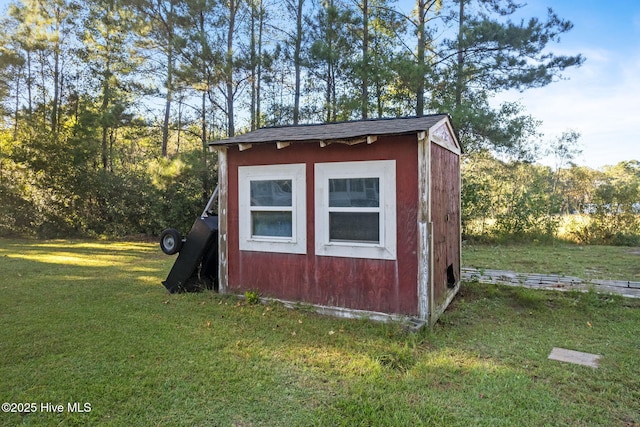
(601, 101)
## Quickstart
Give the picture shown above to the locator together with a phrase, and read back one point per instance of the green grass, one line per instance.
(90, 322)
(587, 262)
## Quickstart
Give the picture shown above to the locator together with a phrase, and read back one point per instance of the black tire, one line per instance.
(170, 241)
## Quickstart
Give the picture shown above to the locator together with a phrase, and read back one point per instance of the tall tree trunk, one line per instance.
(460, 59)
(29, 84)
(365, 59)
(334, 97)
(106, 101)
(169, 84)
(112, 139)
(259, 80)
(206, 76)
(56, 90)
(16, 114)
(379, 104)
(105, 126)
(253, 64)
(167, 107)
(56, 73)
(43, 87)
(205, 149)
(255, 52)
(297, 62)
(233, 8)
(327, 95)
(179, 132)
(203, 122)
(421, 57)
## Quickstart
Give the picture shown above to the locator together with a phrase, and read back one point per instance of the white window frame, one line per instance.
(297, 243)
(385, 171)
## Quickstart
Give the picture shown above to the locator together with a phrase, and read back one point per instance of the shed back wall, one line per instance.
(445, 215)
(365, 284)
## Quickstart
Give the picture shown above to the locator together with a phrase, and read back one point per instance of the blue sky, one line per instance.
(601, 99)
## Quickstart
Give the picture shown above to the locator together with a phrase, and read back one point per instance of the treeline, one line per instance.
(107, 107)
(519, 200)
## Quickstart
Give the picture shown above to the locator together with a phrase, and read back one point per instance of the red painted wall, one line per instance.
(378, 285)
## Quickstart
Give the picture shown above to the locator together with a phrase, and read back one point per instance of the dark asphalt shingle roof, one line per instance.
(335, 131)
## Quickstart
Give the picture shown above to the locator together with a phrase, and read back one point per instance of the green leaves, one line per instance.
(491, 54)
(114, 84)
(522, 200)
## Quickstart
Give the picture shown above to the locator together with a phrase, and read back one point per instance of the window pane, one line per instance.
(354, 226)
(271, 224)
(271, 193)
(354, 192)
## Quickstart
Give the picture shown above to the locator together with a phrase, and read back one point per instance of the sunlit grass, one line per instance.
(81, 254)
(584, 261)
(67, 259)
(109, 334)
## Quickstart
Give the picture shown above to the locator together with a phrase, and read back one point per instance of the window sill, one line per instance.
(272, 245)
(355, 250)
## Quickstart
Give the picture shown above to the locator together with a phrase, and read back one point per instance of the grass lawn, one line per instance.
(89, 322)
(587, 262)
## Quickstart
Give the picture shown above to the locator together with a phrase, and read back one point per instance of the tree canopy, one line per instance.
(110, 105)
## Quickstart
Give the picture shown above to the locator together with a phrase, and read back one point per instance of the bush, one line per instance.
(98, 202)
(604, 229)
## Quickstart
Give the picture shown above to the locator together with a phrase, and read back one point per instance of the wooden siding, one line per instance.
(445, 217)
(366, 284)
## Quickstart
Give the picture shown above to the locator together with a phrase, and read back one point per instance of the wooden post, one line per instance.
(424, 232)
(223, 197)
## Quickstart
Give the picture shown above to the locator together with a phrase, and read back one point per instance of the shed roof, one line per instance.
(336, 131)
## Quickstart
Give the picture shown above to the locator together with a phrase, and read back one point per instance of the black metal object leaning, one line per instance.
(197, 264)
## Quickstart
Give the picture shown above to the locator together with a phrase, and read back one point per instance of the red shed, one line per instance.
(357, 218)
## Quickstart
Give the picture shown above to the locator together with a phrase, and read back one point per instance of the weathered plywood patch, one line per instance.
(577, 357)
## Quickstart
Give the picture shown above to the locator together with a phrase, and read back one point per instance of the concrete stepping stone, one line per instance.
(576, 357)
